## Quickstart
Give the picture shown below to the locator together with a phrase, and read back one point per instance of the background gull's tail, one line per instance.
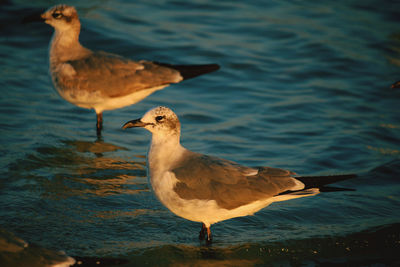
(321, 181)
(191, 71)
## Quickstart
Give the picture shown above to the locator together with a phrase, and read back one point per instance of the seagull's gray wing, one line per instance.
(113, 76)
(228, 183)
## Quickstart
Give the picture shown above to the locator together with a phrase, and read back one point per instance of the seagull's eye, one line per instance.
(57, 15)
(159, 118)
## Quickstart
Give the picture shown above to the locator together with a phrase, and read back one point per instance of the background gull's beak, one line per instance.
(34, 17)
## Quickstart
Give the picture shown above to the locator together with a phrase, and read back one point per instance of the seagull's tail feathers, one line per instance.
(320, 182)
(316, 184)
(191, 71)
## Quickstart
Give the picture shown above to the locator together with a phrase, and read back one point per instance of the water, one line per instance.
(302, 86)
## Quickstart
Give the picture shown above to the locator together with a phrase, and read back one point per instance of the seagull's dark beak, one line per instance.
(134, 123)
(34, 17)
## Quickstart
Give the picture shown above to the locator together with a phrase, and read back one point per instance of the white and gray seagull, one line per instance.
(208, 189)
(100, 80)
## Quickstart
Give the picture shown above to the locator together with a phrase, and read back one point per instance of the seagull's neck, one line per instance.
(65, 46)
(164, 151)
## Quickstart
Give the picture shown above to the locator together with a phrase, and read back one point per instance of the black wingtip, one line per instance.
(320, 181)
(191, 71)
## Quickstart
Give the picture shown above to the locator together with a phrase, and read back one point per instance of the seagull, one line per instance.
(100, 80)
(208, 189)
(396, 85)
(17, 252)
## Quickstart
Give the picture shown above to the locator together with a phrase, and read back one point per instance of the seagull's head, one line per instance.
(61, 17)
(160, 121)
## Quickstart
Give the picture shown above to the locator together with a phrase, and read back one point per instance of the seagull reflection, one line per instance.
(81, 168)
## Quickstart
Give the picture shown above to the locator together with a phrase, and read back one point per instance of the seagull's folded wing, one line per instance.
(228, 183)
(113, 76)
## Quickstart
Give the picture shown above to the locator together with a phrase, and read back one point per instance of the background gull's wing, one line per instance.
(113, 76)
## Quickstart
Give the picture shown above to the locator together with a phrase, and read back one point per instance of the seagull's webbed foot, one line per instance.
(209, 236)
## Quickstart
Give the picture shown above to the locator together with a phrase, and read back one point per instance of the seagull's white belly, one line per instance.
(76, 91)
(94, 100)
(208, 211)
(205, 211)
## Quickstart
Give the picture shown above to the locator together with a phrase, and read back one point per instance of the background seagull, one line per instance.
(17, 252)
(396, 85)
(207, 189)
(100, 80)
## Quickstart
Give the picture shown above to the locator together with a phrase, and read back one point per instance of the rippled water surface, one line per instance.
(303, 85)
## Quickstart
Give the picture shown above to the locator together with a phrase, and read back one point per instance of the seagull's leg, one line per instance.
(209, 236)
(99, 124)
(202, 233)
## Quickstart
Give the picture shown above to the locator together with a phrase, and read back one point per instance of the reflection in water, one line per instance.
(62, 187)
(96, 147)
(111, 214)
(384, 151)
(80, 168)
(389, 126)
(360, 249)
(115, 186)
(77, 185)
(394, 59)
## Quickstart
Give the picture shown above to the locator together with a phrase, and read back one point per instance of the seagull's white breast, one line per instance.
(198, 210)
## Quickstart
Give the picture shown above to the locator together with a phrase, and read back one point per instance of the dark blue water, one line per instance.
(303, 85)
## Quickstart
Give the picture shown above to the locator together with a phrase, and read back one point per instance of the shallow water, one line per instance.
(302, 86)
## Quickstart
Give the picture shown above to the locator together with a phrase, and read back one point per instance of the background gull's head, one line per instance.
(61, 17)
